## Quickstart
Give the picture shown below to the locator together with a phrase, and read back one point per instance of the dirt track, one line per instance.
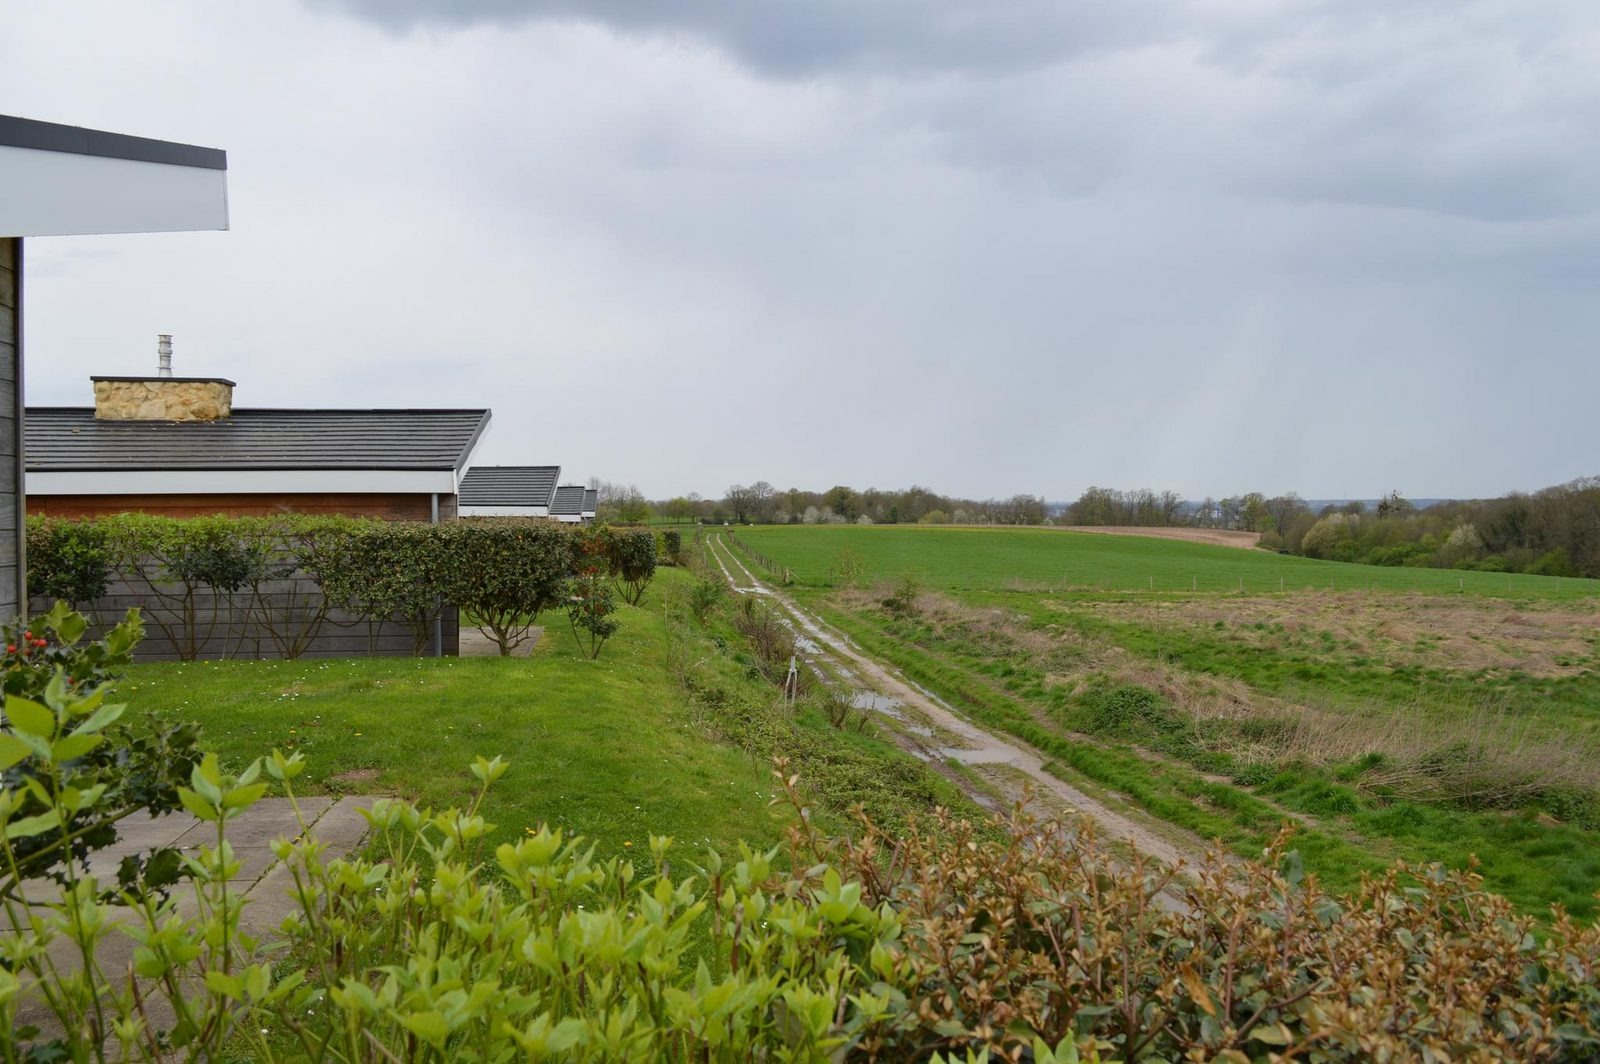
(977, 747)
(1215, 537)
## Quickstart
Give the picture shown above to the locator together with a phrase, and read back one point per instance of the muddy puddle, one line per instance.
(980, 756)
(873, 701)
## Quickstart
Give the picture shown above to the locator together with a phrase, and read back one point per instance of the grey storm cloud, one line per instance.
(1483, 110)
(797, 39)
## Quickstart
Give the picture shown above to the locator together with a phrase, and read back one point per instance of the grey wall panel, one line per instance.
(233, 627)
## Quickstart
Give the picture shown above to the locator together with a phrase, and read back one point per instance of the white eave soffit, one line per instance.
(65, 181)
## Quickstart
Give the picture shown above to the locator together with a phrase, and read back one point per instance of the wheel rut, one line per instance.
(968, 742)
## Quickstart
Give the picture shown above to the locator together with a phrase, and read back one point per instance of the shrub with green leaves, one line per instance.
(69, 768)
(941, 942)
(68, 560)
(631, 559)
(705, 597)
(288, 558)
(386, 569)
(222, 586)
(591, 611)
(671, 546)
(187, 572)
(505, 573)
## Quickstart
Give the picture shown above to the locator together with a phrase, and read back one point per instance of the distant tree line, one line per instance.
(761, 503)
(1554, 532)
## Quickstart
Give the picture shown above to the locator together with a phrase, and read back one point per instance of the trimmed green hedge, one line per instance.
(194, 573)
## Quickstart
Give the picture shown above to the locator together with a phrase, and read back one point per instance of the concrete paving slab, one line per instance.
(265, 881)
(474, 643)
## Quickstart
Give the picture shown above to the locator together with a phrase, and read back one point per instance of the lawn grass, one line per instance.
(670, 732)
(609, 748)
(973, 557)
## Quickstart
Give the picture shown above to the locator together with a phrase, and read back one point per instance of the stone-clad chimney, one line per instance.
(162, 397)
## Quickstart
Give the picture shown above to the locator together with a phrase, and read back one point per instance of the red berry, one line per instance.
(11, 648)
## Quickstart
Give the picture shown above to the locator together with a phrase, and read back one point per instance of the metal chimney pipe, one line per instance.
(164, 354)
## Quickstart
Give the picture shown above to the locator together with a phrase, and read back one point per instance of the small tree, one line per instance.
(671, 549)
(179, 562)
(505, 573)
(631, 558)
(284, 575)
(590, 610)
(848, 567)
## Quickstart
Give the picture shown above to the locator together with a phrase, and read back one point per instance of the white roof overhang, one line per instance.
(69, 181)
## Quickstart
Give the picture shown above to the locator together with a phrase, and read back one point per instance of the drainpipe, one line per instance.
(438, 605)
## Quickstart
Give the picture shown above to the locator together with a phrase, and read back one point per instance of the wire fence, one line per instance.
(773, 569)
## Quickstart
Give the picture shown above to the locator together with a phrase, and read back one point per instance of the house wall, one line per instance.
(388, 507)
(11, 510)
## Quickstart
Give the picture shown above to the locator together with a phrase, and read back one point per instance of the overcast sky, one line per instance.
(991, 247)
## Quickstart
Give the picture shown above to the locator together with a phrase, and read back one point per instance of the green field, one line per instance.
(616, 749)
(962, 558)
(1408, 721)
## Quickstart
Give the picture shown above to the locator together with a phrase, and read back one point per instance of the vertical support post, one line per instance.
(438, 604)
(13, 509)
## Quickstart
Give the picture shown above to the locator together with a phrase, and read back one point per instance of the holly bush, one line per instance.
(70, 769)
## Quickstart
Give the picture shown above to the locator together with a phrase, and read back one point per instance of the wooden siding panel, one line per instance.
(11, 540)
(237, 634)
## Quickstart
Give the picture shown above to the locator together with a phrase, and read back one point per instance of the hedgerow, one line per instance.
(222, 584)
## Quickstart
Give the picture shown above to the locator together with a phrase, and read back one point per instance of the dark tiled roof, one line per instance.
(66, 439)
(568, 500)
(508, 485)
(591, 499)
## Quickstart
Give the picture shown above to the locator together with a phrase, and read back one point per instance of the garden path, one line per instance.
(265, 881)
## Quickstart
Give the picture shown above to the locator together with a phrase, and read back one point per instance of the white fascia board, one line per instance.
(55, 193)
(504, 511)
(466, 459)
(243, 481)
